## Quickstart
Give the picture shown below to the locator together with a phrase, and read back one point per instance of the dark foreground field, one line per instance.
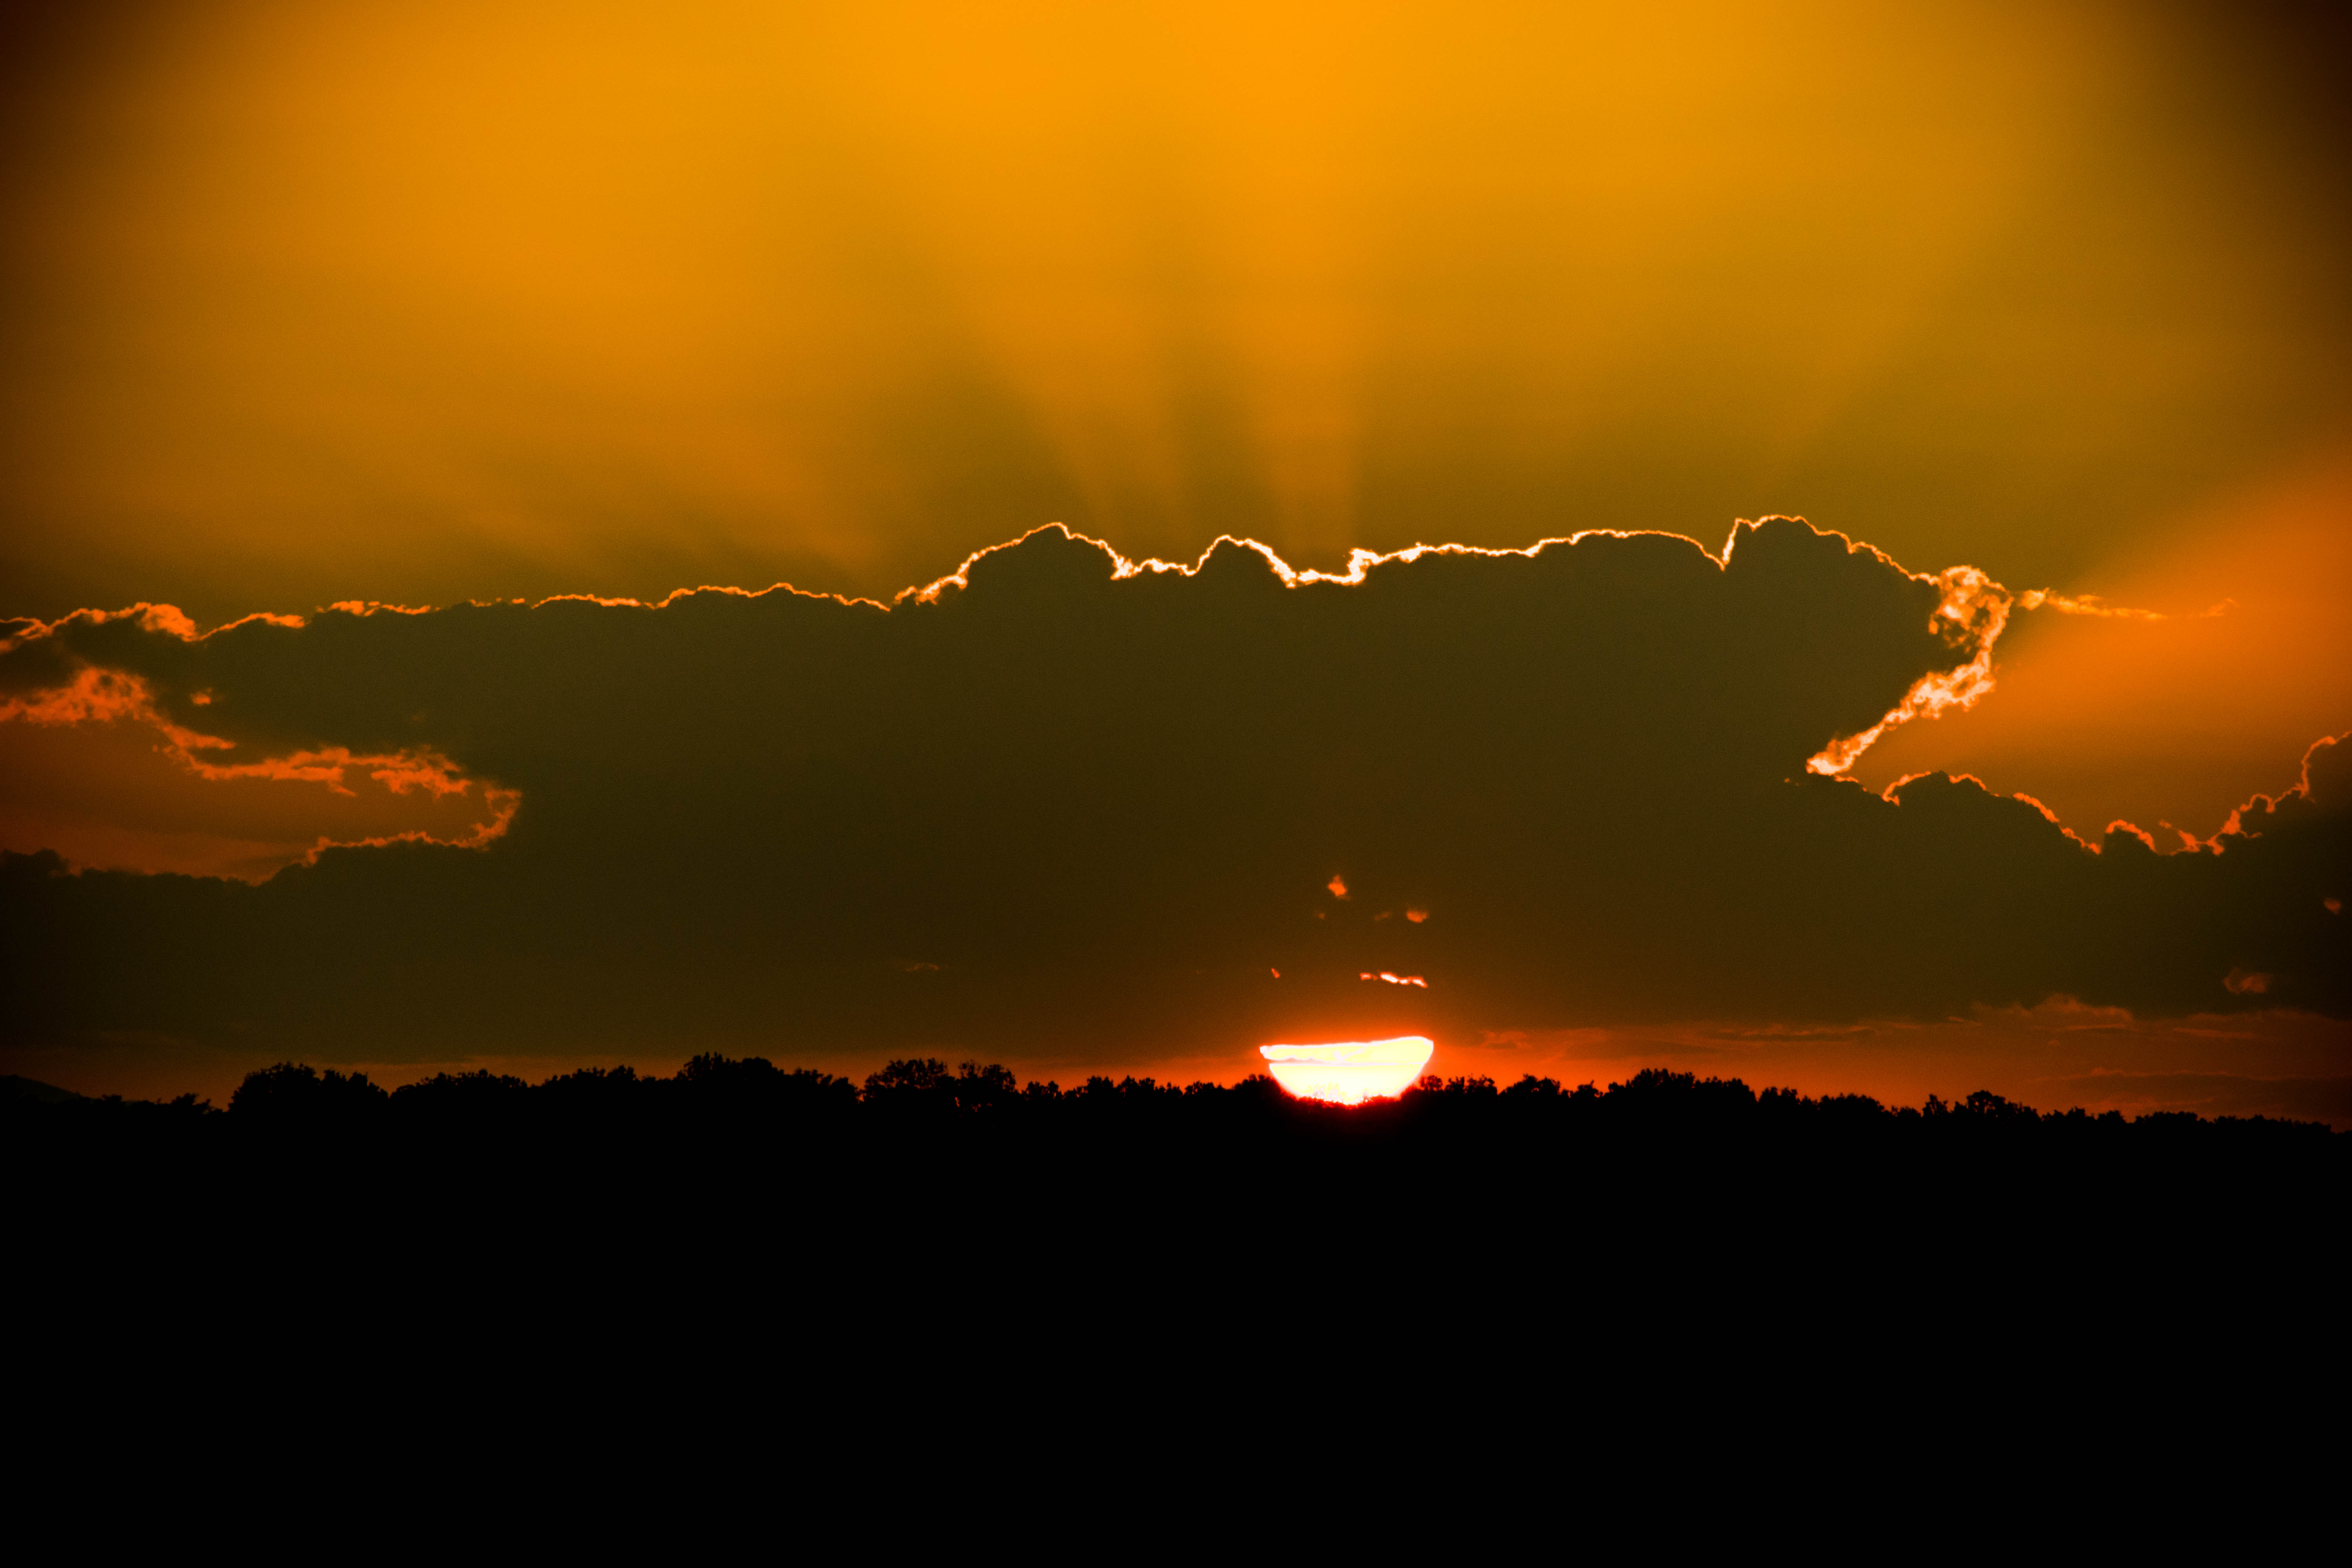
(762, 1277)
(953, 1189)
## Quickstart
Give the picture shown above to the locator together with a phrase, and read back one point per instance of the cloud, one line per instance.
(1064, 805)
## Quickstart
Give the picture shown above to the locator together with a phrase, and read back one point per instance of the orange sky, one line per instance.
(431, 302)
(423, 303)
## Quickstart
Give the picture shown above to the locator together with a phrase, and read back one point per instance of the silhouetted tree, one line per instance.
(293, 1094)
(910, 1085)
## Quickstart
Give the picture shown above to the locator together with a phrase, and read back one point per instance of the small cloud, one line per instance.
(2246, 983)
(2070, 1014)
(1416, 916)
(1339, 887)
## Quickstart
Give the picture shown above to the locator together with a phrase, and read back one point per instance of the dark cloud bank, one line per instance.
(1053, 812)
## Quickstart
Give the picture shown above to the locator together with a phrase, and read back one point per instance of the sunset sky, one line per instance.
(499, 310)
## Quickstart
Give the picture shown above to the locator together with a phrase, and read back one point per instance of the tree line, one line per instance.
(916, 1092)
(927, 1189)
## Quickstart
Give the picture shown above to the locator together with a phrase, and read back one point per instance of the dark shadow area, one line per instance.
(935, 1192)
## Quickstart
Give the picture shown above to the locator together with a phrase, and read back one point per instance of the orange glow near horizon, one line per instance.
(1349, 1072)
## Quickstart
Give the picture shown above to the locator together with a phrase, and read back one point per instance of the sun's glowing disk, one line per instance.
(1350, 1072)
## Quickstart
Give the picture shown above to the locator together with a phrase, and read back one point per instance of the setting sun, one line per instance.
(1349, 1072)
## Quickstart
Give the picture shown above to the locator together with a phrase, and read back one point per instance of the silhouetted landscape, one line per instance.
(753, 1105)
(939, 1180)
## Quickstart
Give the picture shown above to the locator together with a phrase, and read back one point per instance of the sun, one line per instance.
(1349, 1072)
